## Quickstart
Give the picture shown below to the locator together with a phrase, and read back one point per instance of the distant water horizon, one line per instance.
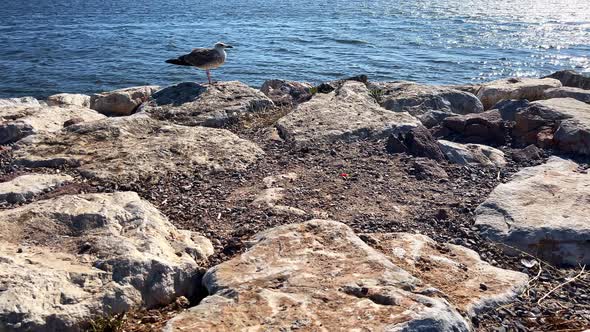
(87, 46)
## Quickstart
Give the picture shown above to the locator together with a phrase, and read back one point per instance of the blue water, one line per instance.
(51, 46)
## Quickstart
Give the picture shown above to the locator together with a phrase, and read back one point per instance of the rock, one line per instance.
(134, 258)
(129, 148)
(430, 104)
(509, 107)
(69, 99)
(347, 114)
(424, 168)
(20, 121)
(472, 154)
(330, 86)
(214, 105)
(316, 275)
(26, 186)
(417, 142)
(123, 101)
(515, 88)
(23, 101)
(543, 210)
(270, 197)
(572, 79)
(527, 154)
(568, 92)
(452, 272)
(287, 92)
(563, 123)
(486, 127)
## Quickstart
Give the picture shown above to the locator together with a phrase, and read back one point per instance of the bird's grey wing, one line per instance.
(201, 56)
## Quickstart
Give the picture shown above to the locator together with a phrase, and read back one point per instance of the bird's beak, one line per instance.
(228, 46)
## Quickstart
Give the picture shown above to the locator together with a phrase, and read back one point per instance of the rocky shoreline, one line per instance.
(383, 205)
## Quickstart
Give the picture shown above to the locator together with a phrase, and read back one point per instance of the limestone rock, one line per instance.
(316, 275)
(347, 114)
(509, 107)
(543, 210)
(91, 255)
(287, 92)
(20, 121)
(430, 104)
(69, 99)
(572, 78)
(452, 271)
(561, 122)
(486, 127)
(569, 92)
(123, 101)
(472, 154)
(417, 142)
(515, 88)
(26, 186)
(22, 101)
(129, 148)
(527, 154)
(213, 105)
(270, 197)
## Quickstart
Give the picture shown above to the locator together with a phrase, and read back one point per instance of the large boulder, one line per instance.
(563, 123)
(123, 101)
(26, 186)
(428, 103)
(287, 92)
(213, 105)
(69, 99)
(486, 127)
(70, 259)
(515, 88)
(454, 272)
(20, 121)
(348, 114)
(318, 275)
(417, 142)
(129, 148)
(509, 107)
(572, 78)
(569, 92)
(472, 154)
(543, 210)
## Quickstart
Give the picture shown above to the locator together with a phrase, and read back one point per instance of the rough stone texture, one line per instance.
(20, 121)
(472, 154)
(26, 186)
(22, 101)
(543, 210)
(315, 276)
(509, 107)
(123, 101)
(89, 255)
(69, 99)
(213, 105)
(486, 127)
(417, 142)
(453, 272)
(527, 154)
(561, 122)
(515, 88)
(129, 148)
(287, 92)
(569, 92)
(430, 104)
(347, 114)
(274, 192)
(424, 168)
(572, 78)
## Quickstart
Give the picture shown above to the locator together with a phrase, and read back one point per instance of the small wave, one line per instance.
(351, 41)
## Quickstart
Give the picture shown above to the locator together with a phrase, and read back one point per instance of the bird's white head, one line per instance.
(222, 46)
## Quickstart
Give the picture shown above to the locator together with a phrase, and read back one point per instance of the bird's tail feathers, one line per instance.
(179, 62)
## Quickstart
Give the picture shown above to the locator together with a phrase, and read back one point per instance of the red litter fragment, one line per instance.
(343, 175)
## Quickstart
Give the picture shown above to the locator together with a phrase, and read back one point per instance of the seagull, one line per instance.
(203, 58)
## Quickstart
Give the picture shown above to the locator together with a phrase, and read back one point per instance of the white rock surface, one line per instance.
(123, 101)
(515, 88)
(129, 148)
(472, 154)
(543, 210)
(347, 114)
(26, 186)
(69, 99)
(569, 92)
(91, 255)
(22, 101)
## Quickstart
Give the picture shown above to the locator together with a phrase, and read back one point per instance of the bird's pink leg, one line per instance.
(208, 76)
